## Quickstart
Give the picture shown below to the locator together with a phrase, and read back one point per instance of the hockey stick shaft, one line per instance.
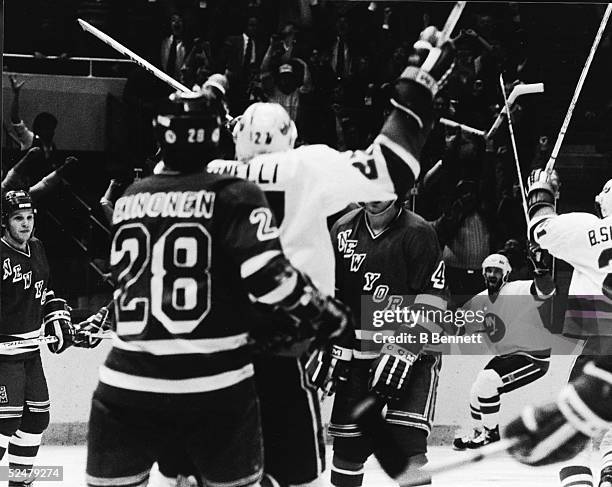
(452, 20)
(464, 128)
(418, 477)
(86, 26)
(40, 340)
(514, 149)
(568, 116)
(27, 343)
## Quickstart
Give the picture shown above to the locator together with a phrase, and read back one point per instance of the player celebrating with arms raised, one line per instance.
(584, 408)
(514, 330)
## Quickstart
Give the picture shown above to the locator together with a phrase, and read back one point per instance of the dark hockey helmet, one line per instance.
(13, 201)
(188, 129)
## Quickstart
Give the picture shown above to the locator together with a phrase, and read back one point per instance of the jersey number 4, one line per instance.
(169, 292)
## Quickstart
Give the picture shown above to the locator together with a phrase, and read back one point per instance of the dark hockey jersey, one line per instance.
(25, 275)
(398, 268)
(182, 314)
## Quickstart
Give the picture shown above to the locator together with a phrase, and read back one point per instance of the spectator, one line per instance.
(341, 51)
(198, 64)
(174, 48)
(241, 58)
(291, 80)
(41, 135)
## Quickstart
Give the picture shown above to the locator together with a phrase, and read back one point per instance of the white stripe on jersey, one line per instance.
(121, 380)
(252, 265)
(283, 290)
(179, 346)
(25, 336)
(20, 350)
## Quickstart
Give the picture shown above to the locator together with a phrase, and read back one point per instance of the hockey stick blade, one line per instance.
(388, 452)
(518, 90)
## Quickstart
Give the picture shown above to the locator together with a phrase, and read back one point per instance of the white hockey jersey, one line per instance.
(585, 242)
(511, 323)
(306, 185)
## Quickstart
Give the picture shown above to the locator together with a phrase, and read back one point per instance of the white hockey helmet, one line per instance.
(498, 261)
(263, 128)
(603, 201)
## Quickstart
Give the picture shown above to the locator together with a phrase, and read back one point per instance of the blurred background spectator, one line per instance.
(332, 66)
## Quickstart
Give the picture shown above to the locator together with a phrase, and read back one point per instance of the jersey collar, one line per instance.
(384, 230)
(27, 250)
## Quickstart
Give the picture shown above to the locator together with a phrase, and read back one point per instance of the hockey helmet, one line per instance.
(188, 129)
(603, 201)
(497, 261)
(13, 201)
(262, 129)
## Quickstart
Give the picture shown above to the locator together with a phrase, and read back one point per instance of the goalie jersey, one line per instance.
(25, 276)
(306, 185)
(179, 245)
(585, 242)
(511, 323)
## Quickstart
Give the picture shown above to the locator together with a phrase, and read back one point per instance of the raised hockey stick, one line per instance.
(514, 148)
(518, 90)
(464, 128)
(568, 116)
(86, 26)
(451, 21)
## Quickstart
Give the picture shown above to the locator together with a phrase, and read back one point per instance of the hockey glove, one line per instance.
(420, 81)
(86, 331)
(543, 191)
(391, 370)
(325, 368)
(558, 432)
(57, 323)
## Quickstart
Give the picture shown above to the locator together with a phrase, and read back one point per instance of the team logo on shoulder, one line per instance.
(356, 261)
(3, 395)
(494, 327)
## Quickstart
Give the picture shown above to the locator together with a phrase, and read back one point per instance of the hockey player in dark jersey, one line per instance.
(389, 257)
(190, 252)
(25, 304)
(559, 431)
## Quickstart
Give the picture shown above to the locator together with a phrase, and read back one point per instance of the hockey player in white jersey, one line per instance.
(514, 331)
(304, 186)
(584, 408)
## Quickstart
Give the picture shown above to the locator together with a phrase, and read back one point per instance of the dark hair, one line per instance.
(44, 119)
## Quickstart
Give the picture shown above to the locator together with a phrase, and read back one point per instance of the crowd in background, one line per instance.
(332, 65)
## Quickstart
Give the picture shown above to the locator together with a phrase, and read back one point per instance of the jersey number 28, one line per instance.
(176, 291)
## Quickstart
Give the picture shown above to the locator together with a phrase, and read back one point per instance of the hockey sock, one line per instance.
(489, 407)
(605, 449)
(576, 476)
(23, 448)
(4, 442)
(346, 474)
(476, 417)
